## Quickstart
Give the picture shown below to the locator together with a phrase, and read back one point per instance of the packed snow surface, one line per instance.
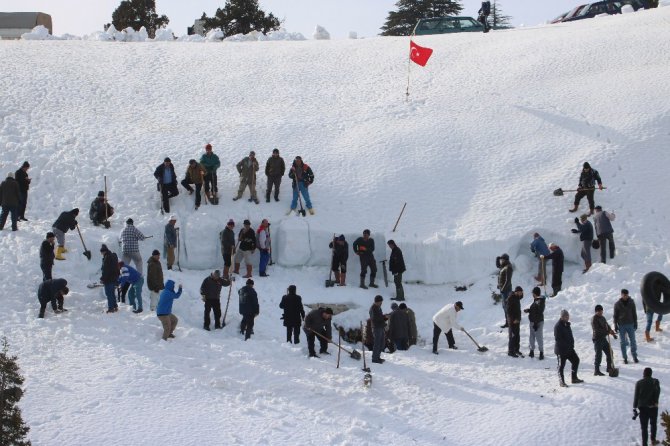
(491, 126)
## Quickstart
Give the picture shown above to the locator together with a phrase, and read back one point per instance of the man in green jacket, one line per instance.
(647, 391)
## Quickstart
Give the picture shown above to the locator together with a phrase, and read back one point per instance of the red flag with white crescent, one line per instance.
(419, 54)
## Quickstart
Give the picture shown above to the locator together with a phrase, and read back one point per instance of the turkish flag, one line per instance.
(418, 54)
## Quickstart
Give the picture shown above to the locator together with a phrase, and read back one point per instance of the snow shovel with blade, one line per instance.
(613, 371)
(302, 210)
(86, 252)
(329, 280)
(559, 192)
(479, 348)
(354, 354)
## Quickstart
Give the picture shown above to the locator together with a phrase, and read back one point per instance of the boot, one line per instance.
(541, 355)
(362, 285)
(237, 269)
(337, 277)
(289, 213)
(647, 337)
(658, 326)
(597, 372)
(249, 268)
(64, 249)
(267, 196)
(59, 253)
(531, 354)
(575, 379)
(587, 266)
(311, 211)
(574, 209)
(343, 279)
(372, 283)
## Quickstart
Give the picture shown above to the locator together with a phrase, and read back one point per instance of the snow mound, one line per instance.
(39, 32)
(320, 33)
(164, 35)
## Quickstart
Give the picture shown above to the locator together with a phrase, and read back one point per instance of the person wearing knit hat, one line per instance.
(170, 240)
(210, 162)
(47, 255)
(100, 211)
(227, 240)
(10, 196)
(66, 221)
(564, 348)
(249, 308)
(110, 277)
(167, 183)
(587, 187)
(247, 168)
(444, 321)
(536, 323)
(21, 176)
(557, 260)
(274, 170)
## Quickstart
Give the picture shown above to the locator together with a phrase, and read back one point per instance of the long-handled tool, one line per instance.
(271, 262)
(339, 348)
(479, 348)
(559, 192)
(613, 371)
(230, 290)
(367, 378)
(160, 189)
(86, 252)
(385, 272)
(329, 280)
(353, 353)
(302, 210)
(106, 223)
(398, 220)
(544, 275)
(178, 245)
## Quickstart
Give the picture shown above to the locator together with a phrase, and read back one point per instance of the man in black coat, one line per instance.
(66, 221)
(564, 347)
(364, 248)
(210, 290)
(249, 308)
(587, 187)
(52, 291)
(247, 246)
(340, 249)
(557, 260)
(22, 178)
(294, 314)
(100, 211)
(647, 393)
(274, 170)
(399, 327)
(378, 321)
(110, 277)
(318, 321)
(10, 199)
(397, 267)
(504, 281)
(601, 330)
(585, 231)
(514, 322)
(167, 182)
(227, 239)
(47, 255)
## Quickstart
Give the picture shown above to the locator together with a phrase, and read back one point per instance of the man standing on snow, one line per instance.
(514, 322)
(504, 281)
(100, 211)
(587, 187)
(318, 321)
(210, 161)
(167, 182)
(338, 265)
(484, 12)
(294, 314)
(210, 290)
(601, 329)
(47, 255)
(647, 394)
(10, 199)
(22, 178)
(539, 247)
(130, 247)
(302, 177)
(274, 170)
(195, 174)
(249, 308)
(247, 244)
(52, 291)
(604, 231)
(585, 231)
(444, 321)
(564, 348)
(164, 309)
(247, 169)
(557, 260)
(536, 323)
(154, 278)
(364, 248)
(227, 238)
(399, 327)
(65, 222)
(170, 240)
(625, 321)
(264, 246)
(397, 267)
(109, 277)
(378, 321)
(135, 281)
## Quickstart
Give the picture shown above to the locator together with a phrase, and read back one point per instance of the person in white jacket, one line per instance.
(444, 321)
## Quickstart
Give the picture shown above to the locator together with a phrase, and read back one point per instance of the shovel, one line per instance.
(479, 348)
(354, 354)
(613, 371)
(302, 210)
(329, 280)
(86, 252)
(559, 192)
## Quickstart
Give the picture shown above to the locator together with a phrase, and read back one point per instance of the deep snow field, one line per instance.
(493, 124)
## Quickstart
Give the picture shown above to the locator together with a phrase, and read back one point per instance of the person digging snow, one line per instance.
(302, 177)
(318, 321)
(66, 221)
(52, 291)
(444, 321)
(210, 290)
(587, 187)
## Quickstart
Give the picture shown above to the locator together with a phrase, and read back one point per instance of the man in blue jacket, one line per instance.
(164, 309)
(132, 277)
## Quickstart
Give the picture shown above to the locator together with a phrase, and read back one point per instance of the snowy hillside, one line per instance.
(493, 124)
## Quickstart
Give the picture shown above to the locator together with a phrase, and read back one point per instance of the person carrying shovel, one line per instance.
(318, 321)
(587, 187)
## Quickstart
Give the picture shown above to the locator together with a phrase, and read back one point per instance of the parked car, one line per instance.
(564, 17)
(445, 25)
(604, 7)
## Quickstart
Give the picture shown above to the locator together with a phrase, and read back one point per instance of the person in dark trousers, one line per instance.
(504, 281)
(539, 247)
(318, 321)
(195, 174)
(167, 182)
(364, 248)
(249, 308)
(294, 314)
(399, 327)
(604, 231)
(601, 329)
(129, 239)
(52, 291)
(564, 347)
(22, 178)
(10, 199)
(514, 323)
(247, 246)
(302, 177)
(340, 249)
(444, 321)
(649, 313)
(557, 260)
(210, 162)
(625, 321)
(227, 239)
(536, 323)
(247, 168)
(47, 255)
(484, 13)
(170, 240)
(110, 277)
(397, 267)
(154, 278)
(210, 290)
(645, 400)
(66, 221)
(274, 170)
(587, 187)
(100, 211)
(164, 309)
(378, 321)
(413, 334)
(585, 231)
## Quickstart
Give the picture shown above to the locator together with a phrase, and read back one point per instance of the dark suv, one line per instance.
(604, 7)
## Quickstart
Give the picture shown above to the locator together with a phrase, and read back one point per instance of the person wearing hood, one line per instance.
(10, 200)
(294, 313)
(164, 309)
(557, 260)
(564, 347)
(625, 321)
(302, 177)
(338, 265)
(110, 277)
(585, 231)
(52, 291)
(66, 221)
(135, 281)
(100, 211)
(47, 255)
(504, 281)
(536, 323)
(444, 321)
(539, 247)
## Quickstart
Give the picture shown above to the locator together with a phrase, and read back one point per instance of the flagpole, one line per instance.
(409, 66)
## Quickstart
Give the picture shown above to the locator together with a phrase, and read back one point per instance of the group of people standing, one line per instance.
(14, 196)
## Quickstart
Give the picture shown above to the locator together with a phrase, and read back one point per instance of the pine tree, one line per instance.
(13, 430)
(665, 422)
(403, 21)
(138, 13)
(498, 19)
(241, 17)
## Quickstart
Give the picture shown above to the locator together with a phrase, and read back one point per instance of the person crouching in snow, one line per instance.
(536, 323)
(100, 211)
(134, 279)
(52, 291)
(444, 321)
(164, 309)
